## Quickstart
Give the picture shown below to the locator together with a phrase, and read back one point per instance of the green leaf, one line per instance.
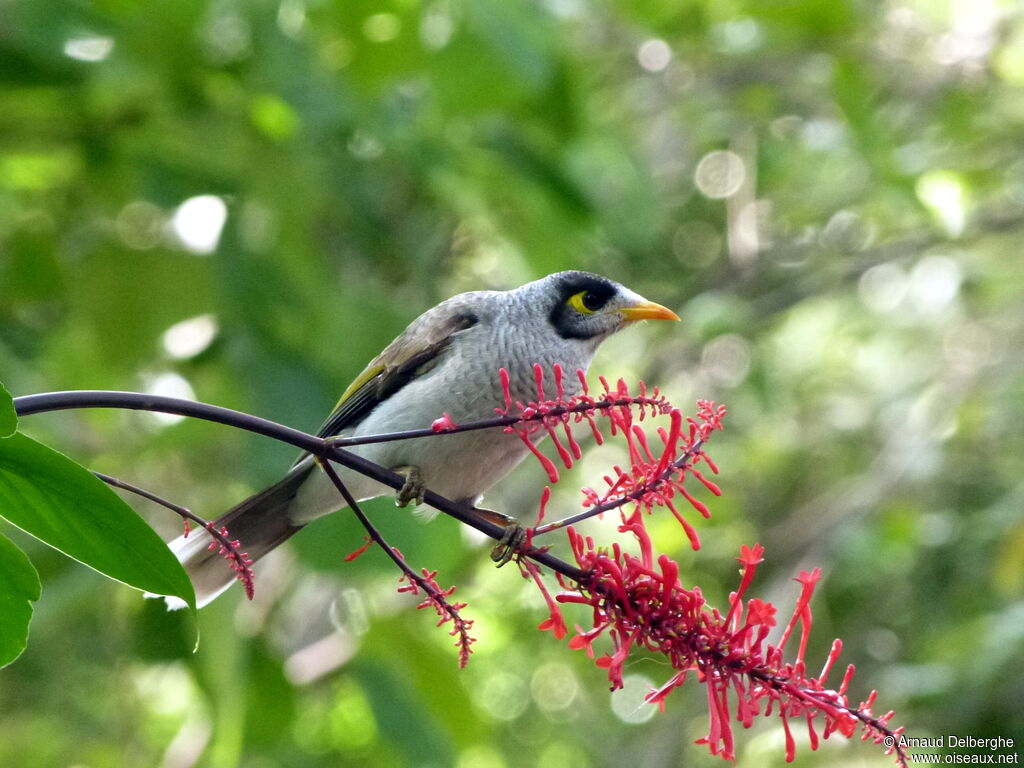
(19, 588)
(8, 416)
(62, 504)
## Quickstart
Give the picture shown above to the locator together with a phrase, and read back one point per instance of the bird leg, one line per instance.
(511, 542)
(513, 539)
(413, 488)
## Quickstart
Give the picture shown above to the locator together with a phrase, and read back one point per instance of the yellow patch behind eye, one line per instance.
(576, 302)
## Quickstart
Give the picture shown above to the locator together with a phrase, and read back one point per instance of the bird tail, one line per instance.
(259, 524)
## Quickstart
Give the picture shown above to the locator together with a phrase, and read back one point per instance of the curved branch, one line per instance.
(138, 401)
(317, 446)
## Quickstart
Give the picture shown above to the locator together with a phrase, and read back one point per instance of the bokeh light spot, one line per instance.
(934, 283)
(554, 687)
(628, 702)
(883, 287)
(198, 222)
(942, 192)
(719, 174)
(382, 27)
(654, 55)
(190, 337)
(726, 359)
(503, 696)
(140, 225)
(90, 48)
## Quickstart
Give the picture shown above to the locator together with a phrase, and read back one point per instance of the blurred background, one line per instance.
(243, 202)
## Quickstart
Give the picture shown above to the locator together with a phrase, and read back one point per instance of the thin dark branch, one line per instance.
(460, 512)
(371, 529)
(492, 423)
(183, 512)
(435, 597)
(317, 446)
(228, 546)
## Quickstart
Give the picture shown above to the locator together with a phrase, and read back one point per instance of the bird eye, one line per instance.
(587, 302)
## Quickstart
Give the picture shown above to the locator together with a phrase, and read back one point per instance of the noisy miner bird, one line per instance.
(447, 361)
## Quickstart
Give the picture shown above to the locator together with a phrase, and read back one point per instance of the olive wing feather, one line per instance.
(416, 349)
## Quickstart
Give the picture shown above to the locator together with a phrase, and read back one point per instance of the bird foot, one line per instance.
(413, 488)
(512, 541)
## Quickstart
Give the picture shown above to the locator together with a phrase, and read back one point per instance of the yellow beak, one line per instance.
(648, 310)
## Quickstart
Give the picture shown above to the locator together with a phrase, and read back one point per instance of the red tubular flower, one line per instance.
(760, 613)
(356, 553)
(555, 622)
(802, 611)
(749, 557)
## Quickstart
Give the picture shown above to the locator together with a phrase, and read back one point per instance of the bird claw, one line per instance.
(413, 488)
(513, 540)
(511, 544)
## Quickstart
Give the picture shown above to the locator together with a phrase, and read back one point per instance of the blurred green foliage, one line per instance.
(245, 201)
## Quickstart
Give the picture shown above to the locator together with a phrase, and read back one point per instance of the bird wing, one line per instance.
(417, 348)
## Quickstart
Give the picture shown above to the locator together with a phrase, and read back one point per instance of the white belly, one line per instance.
(460, 466)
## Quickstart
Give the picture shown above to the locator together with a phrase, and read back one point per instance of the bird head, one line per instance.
(581, 305)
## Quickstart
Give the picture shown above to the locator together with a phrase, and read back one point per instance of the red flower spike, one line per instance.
(584, 385)
(563, 453)
(559, 388)
(713, 487)
(801, 611)
(238, 561)
(570, 438)
(790, 743)
(850, 669)
(644, 607)
(583, 639)
(700, 506)
(749, 559)
(688, 529)
(437, 599)
(641, 438)
(548, 464)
